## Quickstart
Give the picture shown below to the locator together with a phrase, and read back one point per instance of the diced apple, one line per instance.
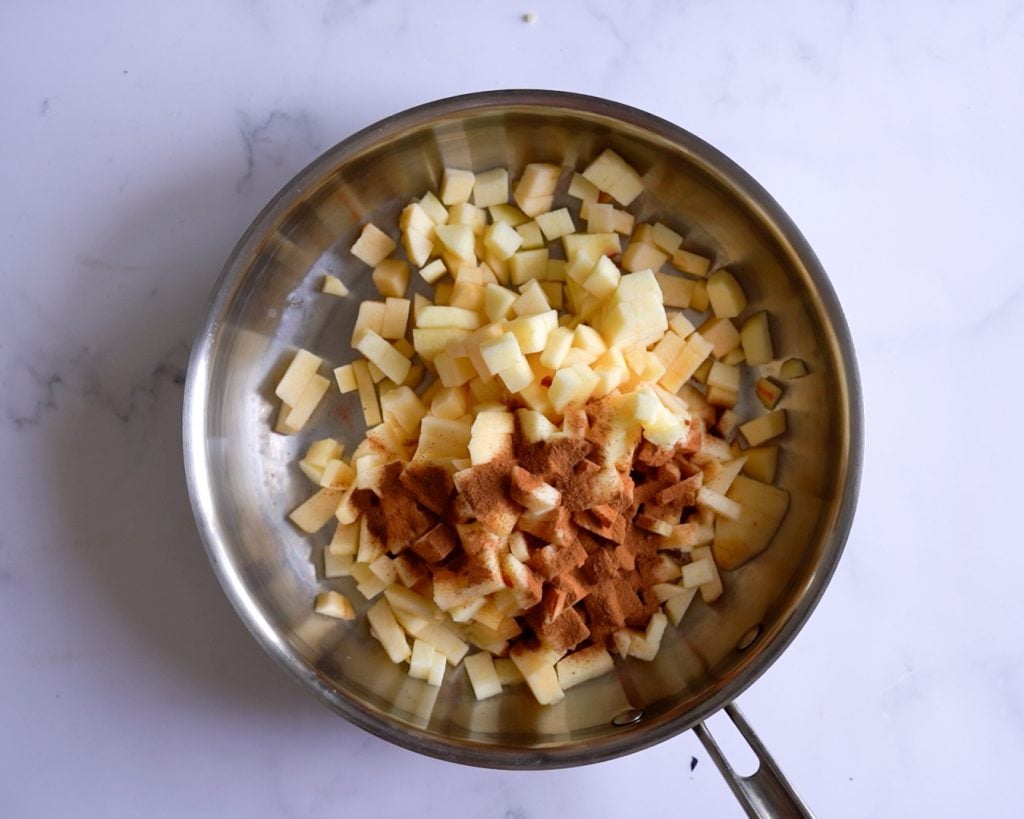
(373, 245)
(680, 324)
(634, 315)
(687, 262)
(761, 463)
(430, 341)
(582, 188)
(712, 589)
(502, 240)
(333, 286)
(763, 508)
(645, 647)
(297, 377)
(603, 279)
(641, 256)
(721, 505)
(490, 188)
(571, 385)
(456, 185)
(767, 392)
(308, 401)
(675, 607)
(725, 294)
(527, 265)
(458, 240)
(440, 316)
(539, 674)
(677, 291)
(756, 339)
(696, 350)
(501, 353)
(555, 224)
(764, 427)
(595, 245)
(367, 393)
(433, 271)
(498, 301)
(396, 317)
(388, 632)
(313, 514)
(391, 362)
(466, 214)
(334, 604)
(532, 331)
(699, 300)
(793, 368)
(583, 665)
(532, 300)
(482, 676)
(724, 376)
(613, 175)
(538, 179)
(722, 334)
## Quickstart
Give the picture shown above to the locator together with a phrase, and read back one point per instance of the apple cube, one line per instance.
(391, 362)
(433, 271)
(634, 315)
(534, 426)
(501, 353)
(767, 392)
(665, 238)
(312, 515)
(490, 188)
(373, 245)
(571, 385)
(448, 403)
(595, 245)
(756, 339)
(687, 262)
(502, 240)
(724, 376)
(334, 604)
(456, 185)
(764, 427)
(532, 331)
(645, 647)
(761, 463)
(498, 301)
(532, 300)
(396, 317)
(308, 401)
(482, 676)
(430, 341)
(297, 377)
(457, 240)
(443, 316)
(677, 291)
(538, 179)
(603, 279)
(421, 660)
(442, 438)
(415, 218)
(403, 407)
(582, 188)
(333, 286)
(517, 377)
(466, 214)
(699, 300)
(388, 632)
(725, 294)
(641, 256)
(675, 607)
(527, 265)
(722, 334)
(583, 665)
(539, 673)
(613, 175)
(555, 224)
(763, 509)
(793, 368)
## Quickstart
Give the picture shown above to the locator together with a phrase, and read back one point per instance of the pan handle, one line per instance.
(765, 794)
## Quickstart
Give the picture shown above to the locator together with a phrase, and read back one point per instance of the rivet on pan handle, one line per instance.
(765, 794)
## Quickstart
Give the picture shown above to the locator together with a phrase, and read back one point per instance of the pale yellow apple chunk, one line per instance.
(307, 403)
(334, 604)
(482, 675)
(763, 507)
(313, 515)
(295, 379)
(764, 427)
(583, 665)
(373, 245)
(388, 632)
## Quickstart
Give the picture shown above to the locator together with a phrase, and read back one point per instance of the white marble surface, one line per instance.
(139, 140)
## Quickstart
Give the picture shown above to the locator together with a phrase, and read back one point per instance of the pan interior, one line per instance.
(244, 479)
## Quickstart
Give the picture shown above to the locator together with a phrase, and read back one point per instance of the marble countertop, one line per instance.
(140, 140)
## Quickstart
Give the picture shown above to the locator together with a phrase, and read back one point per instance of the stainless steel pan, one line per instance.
(243, 480)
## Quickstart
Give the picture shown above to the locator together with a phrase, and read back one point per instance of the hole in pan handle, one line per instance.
(765, 794)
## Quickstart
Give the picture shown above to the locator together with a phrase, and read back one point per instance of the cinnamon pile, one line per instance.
(574, 538)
